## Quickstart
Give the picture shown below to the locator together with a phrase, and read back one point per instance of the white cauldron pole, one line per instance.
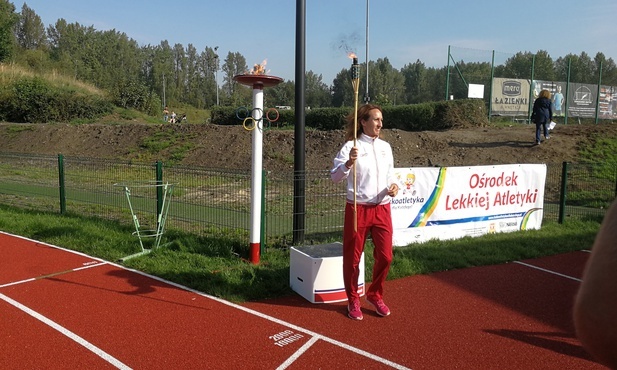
(257, 81)
(256, 173)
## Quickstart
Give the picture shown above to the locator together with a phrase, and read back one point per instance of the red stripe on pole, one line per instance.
(254, 249)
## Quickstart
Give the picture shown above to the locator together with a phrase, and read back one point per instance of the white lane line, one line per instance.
(275, 320)
(91, 347)
(549, 271)
(233, 305)
(38, 242)
(52, 274)
(297, 354)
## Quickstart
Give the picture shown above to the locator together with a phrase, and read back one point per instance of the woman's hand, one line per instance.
(393, 190)
(353, 155)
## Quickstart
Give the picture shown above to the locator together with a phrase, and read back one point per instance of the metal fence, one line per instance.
(580, 87)
(207, 201)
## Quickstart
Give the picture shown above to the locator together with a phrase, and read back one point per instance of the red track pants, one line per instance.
(376, 219)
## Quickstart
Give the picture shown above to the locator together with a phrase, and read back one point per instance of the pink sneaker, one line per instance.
(380, 307)
(353, 310)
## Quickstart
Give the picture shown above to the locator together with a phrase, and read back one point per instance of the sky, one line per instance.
(403, 31)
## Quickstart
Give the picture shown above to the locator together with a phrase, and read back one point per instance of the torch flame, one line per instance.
(352, 55)
(259, 69)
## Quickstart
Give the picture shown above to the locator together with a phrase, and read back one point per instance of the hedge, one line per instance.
(416, 117)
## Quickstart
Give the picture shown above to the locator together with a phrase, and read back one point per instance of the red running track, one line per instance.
(60, 309)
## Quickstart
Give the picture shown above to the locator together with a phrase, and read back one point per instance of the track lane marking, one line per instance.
(89, 346)
(52, 274)
(549, 271)
(310, 333)
(297, 354)
(315, 336)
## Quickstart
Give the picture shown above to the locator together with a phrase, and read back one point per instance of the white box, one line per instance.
(316, 273)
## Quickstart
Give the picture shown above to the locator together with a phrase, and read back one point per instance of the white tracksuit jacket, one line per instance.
(374, 170)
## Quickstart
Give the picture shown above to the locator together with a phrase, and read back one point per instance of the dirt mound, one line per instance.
(218, 146)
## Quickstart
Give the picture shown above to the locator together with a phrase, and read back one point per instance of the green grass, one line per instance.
(217, 264)
(605, 149)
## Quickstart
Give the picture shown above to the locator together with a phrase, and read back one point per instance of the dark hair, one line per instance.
(364, 113)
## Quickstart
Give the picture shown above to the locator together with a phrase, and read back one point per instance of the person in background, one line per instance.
(372, 160)
(542, 114)
(595, 306)
(166, 114)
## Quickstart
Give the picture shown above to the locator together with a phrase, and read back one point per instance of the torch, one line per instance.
(355, 83)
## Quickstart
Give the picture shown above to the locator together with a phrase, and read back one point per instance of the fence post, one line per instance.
(598, 93)
(562, 192)
(490, 101)
(447, 74)
(530, 97)
(565, 120)
(159, 191)
(61, 185)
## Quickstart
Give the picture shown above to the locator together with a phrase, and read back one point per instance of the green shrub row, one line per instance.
(417, 117)
(35, 100)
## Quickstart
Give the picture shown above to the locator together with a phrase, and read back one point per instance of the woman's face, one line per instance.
(372, 126)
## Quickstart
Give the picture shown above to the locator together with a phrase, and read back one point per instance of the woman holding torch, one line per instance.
(369, 193)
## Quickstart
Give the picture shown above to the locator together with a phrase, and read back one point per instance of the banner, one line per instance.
(510, 97)
(582, 100)
(453, 202)
(608, 102)
(557, 90)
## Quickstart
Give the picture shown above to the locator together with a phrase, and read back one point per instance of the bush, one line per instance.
(224, 116)
(416, 117)
(30, 101)
(35, 100)
(326, 118)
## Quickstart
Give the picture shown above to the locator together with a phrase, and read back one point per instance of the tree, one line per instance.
(32, 41)
(70, 45)
(8, 20)
(174, 75)
(194, 95)
(388, 83)
(236, 94)
(609, 69)
(30, 30)
(282, 94)
(437, 83)
(342, 90)
(544, 67)
(579, 68)
(588, 69)
(417, 86)
(161, 71)
(317, 92)
(518, 66)
(208, 65)
(179, 73)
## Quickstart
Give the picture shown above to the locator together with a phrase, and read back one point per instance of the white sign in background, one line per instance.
(453, 202)
(475, 91)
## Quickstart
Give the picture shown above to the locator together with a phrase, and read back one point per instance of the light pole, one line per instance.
(367, 98)
(216, 74)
